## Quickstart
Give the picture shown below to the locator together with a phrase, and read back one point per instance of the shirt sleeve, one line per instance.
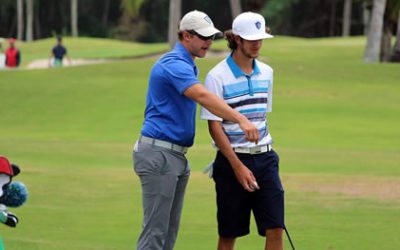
(212, 85)
(180, 75)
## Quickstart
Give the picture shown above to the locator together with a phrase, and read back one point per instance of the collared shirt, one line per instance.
(59, 52)
(251, 95)
(169, 114)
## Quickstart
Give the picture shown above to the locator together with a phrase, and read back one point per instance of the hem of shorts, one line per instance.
(241, 234)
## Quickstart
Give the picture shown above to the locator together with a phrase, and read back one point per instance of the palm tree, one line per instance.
(175, 7)
(373, 48)
(29, 20)
(131, 7)
(128, 20)
(104, 19)
(236, 8)
(346, 18)
(20, 18)
(74, 17)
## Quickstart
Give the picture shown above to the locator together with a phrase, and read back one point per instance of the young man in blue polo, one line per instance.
(169, 128)
(58, 53)
(245, 84)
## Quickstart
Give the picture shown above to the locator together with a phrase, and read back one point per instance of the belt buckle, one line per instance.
(256, 150)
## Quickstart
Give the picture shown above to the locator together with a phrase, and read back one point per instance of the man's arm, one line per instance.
(243, 174)
(218, 107)
(51, 57)
(18, 58)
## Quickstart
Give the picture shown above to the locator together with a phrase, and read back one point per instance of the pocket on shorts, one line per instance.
(150, 162)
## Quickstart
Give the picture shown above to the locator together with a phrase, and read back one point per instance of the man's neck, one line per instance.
(187, 47)
(245, 63)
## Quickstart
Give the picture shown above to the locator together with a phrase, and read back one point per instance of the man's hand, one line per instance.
(246, 178)
(250, 130)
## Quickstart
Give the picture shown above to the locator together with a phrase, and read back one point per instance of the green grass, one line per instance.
(88, 48)
(335, 125)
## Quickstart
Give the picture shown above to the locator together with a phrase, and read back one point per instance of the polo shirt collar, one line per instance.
(237, 71)
(184, 52)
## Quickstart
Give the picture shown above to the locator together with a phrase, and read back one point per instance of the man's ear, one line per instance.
(186, 35)
(238, 40)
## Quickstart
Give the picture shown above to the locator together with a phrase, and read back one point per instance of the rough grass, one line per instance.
(335, 125)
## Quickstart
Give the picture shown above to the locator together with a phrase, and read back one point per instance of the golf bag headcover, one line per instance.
(12, 194)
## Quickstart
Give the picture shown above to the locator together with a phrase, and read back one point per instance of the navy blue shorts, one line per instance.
(235, 204)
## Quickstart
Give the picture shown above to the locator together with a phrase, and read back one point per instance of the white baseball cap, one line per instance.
(199, 22)
(250, 26)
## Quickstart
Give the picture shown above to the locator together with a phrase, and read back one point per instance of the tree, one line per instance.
(74, 17)
(346, 18)
(332, 18)
(254, 5)
(175, 9)
(396, 48)
(373, 48)
(29, 20)
(20, 18)
(104, 19)
(236, 8)
(129, 23)
(130, 8)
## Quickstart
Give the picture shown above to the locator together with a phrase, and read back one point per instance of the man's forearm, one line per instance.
(213, 103)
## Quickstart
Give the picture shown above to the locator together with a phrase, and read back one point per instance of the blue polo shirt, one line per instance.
(169, 114)
(59, 51)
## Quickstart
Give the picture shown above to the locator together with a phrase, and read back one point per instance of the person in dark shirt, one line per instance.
(58, 52)
(13, 56)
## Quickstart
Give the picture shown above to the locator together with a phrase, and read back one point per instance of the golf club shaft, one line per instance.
(290, 240)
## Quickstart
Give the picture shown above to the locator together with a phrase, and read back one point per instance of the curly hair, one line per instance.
(230, 38)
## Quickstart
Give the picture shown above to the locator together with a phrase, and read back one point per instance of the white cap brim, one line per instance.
(207, 31)
(256, 37)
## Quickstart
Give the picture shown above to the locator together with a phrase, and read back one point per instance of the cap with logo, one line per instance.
(199, 22)
(250, 26)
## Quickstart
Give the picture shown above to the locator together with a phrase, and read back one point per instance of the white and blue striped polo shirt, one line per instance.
(251, 95)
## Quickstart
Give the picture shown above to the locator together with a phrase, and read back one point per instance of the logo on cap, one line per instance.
(258, 25)
(208, 20)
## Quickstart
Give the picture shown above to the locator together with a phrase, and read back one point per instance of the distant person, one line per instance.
(245, 83)
(2, 55)
(169, 128)
(58, 53)
(13, 56)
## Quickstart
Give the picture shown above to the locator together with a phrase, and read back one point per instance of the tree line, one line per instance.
(156, 20)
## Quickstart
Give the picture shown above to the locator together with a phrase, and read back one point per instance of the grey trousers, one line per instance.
(164, 175)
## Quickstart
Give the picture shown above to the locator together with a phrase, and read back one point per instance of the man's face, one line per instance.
(250, 49)
(198, 44)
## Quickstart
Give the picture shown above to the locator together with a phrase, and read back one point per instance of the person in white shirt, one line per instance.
(246, 174)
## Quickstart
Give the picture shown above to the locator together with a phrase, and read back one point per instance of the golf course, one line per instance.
(335, 125)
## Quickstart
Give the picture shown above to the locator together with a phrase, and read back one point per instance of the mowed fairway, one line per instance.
(335, 124)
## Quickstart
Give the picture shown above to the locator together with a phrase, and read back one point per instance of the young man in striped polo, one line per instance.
(246, 85)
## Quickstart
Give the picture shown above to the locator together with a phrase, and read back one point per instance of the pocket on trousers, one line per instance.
(150, 162)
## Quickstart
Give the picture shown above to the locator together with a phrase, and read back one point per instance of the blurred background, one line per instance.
(146, 20)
